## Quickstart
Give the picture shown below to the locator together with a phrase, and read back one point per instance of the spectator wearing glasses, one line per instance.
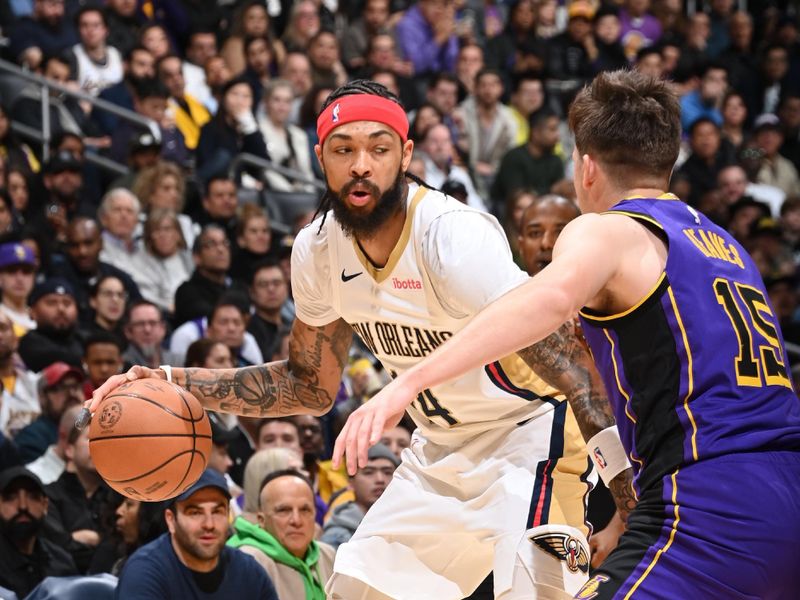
(196, 297)
(145, 331)
(107, 299)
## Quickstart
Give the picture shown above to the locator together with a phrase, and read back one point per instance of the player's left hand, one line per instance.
(365, 426)
(603, 542)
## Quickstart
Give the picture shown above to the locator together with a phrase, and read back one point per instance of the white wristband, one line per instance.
(167, 371)
(607, 454)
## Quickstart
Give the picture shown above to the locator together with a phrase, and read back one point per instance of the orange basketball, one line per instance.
(150, 439)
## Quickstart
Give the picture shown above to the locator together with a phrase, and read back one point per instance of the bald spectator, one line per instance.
(283, 541)
(191, 560)
(55, 338)
(540, 225)
(81, 265)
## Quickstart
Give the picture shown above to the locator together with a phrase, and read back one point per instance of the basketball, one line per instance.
(150, 439)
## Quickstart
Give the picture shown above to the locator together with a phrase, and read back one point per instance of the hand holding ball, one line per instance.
(150, 439)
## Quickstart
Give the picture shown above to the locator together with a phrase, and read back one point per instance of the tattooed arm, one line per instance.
(306, 383)
(562, 360)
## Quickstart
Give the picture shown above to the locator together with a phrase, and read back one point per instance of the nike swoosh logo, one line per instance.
(347, 278)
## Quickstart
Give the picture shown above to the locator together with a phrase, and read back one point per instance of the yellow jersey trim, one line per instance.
(689, 368)
(382, 274)
(666, 547)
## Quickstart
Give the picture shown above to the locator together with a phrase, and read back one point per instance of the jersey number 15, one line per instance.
(762, 360)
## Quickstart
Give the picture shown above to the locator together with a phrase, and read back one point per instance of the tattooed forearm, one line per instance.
(304, 384)
(621, 488)
(563, 361)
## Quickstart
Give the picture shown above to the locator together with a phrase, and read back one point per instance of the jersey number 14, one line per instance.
(755, 365)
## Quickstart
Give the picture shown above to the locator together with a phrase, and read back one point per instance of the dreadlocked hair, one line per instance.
(358, 86)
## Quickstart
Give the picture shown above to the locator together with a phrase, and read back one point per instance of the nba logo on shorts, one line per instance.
(599, 458)
(335, 114)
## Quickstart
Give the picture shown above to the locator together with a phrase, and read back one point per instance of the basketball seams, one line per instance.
(158, 394)
(153, 470)
(161, 406)
(178, 391)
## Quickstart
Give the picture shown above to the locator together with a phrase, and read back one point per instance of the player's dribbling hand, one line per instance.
(365, 426)
(135, 372)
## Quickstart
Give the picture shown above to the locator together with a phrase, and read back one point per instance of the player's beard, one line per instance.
(366, 225)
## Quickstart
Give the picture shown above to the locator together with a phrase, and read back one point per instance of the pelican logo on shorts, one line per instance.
(335, 114)
(589, 589)
(564, 547)
(599, 458)
(110, 415)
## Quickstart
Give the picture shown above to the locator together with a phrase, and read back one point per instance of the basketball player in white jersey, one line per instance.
(497, 475)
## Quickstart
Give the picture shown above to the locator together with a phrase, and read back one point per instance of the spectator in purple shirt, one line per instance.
(426, 35)
(639, 28)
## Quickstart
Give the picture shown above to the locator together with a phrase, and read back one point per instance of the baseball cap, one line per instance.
(209, 478)
(64, 161)
(52, 285)
(144, 141)
(12, 474)
(382, 451)
(220, 435)
(766, 121)
(14, 253)
(581, 9)
(54, 373)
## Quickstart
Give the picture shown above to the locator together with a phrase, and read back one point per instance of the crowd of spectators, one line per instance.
(180, 254)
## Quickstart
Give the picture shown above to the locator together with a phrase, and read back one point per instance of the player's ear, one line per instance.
(318, 152)
(408, 152)
(589, 171)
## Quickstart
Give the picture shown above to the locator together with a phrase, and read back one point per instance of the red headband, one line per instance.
(362, 107)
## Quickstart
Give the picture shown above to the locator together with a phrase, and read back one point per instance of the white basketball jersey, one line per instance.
(94, 78)
(449, 262)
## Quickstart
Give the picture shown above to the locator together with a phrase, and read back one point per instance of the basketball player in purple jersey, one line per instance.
(682, 332)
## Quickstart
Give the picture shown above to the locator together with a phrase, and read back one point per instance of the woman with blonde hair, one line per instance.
(163, 186)
(164, 262)
(261, 464)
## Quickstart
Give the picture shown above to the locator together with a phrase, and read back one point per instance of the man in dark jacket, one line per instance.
(212, 258)
(27, 557)
(55, 338)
